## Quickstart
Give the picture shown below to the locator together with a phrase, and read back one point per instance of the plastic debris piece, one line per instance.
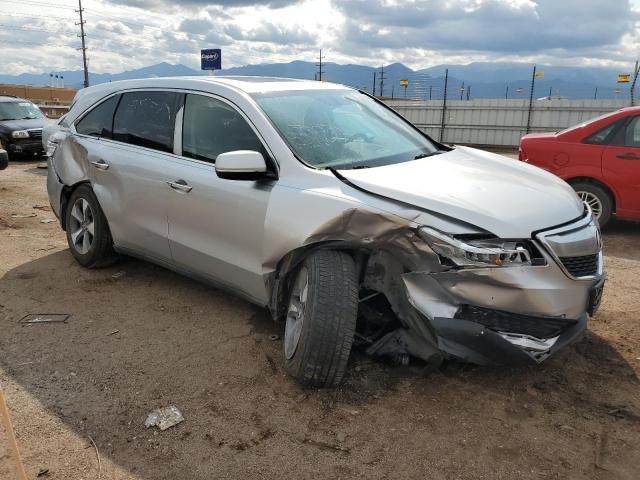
(164, 418)
(273, 338)
(47, 220)
(19, 215)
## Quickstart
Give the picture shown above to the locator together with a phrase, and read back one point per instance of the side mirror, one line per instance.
(241, 165)
(4, 159)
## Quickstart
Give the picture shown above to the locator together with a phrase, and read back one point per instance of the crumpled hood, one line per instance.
(505, 197)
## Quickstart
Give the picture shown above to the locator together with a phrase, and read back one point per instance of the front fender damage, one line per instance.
(387, 248)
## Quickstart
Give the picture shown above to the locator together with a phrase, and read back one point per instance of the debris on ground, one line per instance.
(46, 208)
(326, 446)
(119, 274)
(34, 318)
(20, 215)
(42, 165)
(113, 332)
(164, 418)
(48, 220)
(274, 338)
(42, 472)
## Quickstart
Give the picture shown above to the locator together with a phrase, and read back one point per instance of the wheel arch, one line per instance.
(573, 180)
(280, 280)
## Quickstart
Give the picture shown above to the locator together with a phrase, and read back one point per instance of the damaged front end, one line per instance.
(434, 295)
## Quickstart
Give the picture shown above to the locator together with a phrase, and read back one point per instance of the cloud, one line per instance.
(502, 26)
(162, 4)
(125, 34)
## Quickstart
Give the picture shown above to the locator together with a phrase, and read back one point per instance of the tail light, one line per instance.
(522, 156)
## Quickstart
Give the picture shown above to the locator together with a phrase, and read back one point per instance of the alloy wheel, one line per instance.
(593, 201)
(82, 226)
(295, 313)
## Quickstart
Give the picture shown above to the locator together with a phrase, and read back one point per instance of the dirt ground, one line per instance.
(140, 337)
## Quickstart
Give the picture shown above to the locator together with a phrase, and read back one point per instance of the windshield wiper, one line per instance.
(425, 155)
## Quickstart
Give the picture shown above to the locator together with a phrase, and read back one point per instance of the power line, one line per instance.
(42, 4)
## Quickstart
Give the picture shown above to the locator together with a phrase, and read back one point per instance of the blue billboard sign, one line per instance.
(211, 59)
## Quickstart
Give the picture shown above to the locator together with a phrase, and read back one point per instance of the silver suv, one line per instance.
(322, 204)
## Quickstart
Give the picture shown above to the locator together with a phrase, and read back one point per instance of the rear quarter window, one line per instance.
(99, 121)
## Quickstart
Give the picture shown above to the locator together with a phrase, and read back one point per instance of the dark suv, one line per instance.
(21, 125)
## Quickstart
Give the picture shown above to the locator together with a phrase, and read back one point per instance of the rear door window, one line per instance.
(147, 119)
(211, 127)
(632, 133)
(99, 121)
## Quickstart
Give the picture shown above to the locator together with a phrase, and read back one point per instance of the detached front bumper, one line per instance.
(515, 315)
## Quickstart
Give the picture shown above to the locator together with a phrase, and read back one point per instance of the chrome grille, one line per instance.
(36, 133)
(582, 266)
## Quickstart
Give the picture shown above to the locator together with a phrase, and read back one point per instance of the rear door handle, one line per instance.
(628, 156)
(100, 164)
(180, 185)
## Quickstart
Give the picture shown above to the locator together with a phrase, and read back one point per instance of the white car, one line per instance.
(322, 204)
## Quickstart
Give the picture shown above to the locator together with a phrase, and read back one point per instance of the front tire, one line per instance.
(597, 198)
(321, 319)
(88, 233)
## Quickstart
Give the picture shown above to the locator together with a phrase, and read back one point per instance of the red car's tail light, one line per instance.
(522, 156)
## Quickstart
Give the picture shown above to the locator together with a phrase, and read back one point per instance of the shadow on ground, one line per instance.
(140, 337)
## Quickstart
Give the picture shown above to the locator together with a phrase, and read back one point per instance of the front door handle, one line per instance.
(100, 164)
(628, 156)
(180, 185)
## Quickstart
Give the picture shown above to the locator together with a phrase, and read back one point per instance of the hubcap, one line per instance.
(81, 226)
(593, 201)
(295, 314)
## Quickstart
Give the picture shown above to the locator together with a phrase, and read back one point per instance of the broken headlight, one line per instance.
(476, 253)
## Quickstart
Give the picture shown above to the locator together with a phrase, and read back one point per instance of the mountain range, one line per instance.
(478, 80)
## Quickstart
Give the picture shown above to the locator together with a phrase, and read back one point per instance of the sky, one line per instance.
(41, 35)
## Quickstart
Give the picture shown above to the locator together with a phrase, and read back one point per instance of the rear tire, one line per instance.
(88, 233)
(321, 319)
(597, 198)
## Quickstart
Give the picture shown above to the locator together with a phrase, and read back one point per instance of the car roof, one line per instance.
(10, 98)
(248, 85)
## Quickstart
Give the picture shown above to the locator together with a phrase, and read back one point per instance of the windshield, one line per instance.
(19, 111)
(342, 129)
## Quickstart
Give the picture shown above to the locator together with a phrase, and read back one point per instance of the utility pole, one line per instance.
(381, 80)
(550, 90)
(430, 87)
(468, 91)
(374, 84)
(84, 46)
(595, 94)
(506, 93)
(319, 65)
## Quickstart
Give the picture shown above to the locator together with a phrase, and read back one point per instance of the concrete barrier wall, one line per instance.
(498, 122)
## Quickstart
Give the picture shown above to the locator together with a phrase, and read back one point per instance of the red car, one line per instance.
(600, 159)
